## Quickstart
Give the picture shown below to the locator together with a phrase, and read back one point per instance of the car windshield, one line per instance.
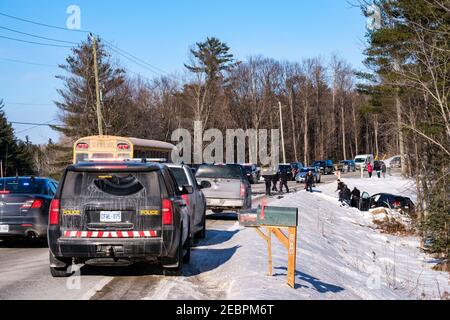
(230, 171)
(318, 163)
(284, 167)
(360, 160)
(305, 170)
(22, 186)
(180, 176)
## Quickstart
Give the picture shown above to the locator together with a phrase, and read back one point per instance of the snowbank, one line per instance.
(340, 254)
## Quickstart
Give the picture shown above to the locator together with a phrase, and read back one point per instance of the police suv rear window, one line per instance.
(111, 184)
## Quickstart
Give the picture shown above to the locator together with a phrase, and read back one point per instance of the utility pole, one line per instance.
(282, 133)
(1, 168)
(97, 86)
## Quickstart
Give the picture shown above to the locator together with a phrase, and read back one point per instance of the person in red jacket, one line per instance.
(370, 169)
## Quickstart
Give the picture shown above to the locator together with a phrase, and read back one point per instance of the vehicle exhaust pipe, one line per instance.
(32, 235)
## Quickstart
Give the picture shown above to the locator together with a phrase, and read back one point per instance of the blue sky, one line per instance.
(161, 32)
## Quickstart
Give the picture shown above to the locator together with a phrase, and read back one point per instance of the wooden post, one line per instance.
(269, 249)
(292, 255)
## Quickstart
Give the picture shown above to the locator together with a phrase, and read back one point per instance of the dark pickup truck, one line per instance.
(119, 212)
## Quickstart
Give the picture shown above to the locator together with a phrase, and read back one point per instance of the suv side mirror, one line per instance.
(187, 190)
(205, 185)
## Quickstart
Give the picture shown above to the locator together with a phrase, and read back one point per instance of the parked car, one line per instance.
(119, 212)
(395, 162)
(196, 200)
(296, 167)
(386, 200)
(230, 189)
(363, 160)
(300, 177)
(346, 166)
(24, 204)
(252, 172)
(287, 168)
(325, 166)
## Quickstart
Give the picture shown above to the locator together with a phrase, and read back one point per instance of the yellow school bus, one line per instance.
(119, 148)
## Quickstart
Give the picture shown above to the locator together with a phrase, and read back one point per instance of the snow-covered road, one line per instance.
(340, 256)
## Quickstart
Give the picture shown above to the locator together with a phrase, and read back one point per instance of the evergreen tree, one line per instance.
(16, 156)
(78, 105)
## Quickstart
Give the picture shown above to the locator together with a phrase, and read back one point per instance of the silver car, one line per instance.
(196, 201)
(300, 177)
(230, 188)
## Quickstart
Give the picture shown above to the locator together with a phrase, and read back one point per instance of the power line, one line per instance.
(125, 54)
(36, 36)
(41, 24)
(38, 43)
(32, 123)
(135, 61)
(27, 104)
(110, 45)
(29, 62)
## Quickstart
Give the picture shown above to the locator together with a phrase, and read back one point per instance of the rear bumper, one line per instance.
(22, 227)
(101, 248)
(216, 203)
(163, 246)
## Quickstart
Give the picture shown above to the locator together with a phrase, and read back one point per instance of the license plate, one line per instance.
(4, 228)
(110, 216)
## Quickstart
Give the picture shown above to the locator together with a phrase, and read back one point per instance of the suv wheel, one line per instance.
(202, 233)
(58, 267)
(176, 271)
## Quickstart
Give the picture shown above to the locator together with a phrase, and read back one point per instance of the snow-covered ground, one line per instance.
(340, 254)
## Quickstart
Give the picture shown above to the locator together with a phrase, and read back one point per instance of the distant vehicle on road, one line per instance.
(230, 189)
(252, 172)
(363, 160)
(325, 166)
(288, 169)
(300, 177)
(395, 162)
(119, 212)
(24, 204)
(346, 166)
(296, 167)
(196, 201)
(120, 148)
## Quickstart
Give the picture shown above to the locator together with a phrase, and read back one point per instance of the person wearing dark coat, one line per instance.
(309, 181)
(377, 168)
(346, 195)
(383, 170)
(284, 181)
(268, 183)
(340, 186)
(274, 182)
(356, 195)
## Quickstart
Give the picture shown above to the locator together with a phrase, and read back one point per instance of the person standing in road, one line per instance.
(284, 181)
(383, 170)
(309, 181)
(268, 183)
(274, 182)
(377, 168)
(370, 169)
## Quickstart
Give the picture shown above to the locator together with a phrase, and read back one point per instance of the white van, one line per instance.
(363, 160)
